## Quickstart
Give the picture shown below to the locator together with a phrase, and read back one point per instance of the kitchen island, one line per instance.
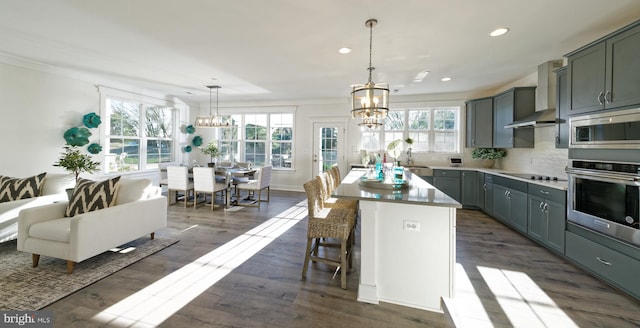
(408, 242)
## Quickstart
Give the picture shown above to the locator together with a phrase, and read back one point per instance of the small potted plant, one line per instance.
(73, 160)
(488, 155)
(210, 149)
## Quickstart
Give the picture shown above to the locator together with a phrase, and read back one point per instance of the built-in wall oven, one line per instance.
(605, 197)
(604, 173)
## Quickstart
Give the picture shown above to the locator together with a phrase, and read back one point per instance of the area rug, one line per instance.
(24, 288)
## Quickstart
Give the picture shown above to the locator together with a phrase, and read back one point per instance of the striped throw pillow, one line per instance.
(13, 188)
(89, 195)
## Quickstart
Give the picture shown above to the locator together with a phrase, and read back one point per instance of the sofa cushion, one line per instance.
(57, 230)
(57, 183)
(91, 195)
(13, 188)
(131, 190)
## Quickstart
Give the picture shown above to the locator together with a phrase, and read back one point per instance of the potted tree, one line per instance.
(211, 149)
(73, 160)
(488, 155)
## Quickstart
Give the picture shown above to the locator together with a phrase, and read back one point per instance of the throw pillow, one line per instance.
(91, 195)
(13, 188)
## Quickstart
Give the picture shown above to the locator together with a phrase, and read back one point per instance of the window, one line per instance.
(432, 130)
(140, 136)
(259, 138)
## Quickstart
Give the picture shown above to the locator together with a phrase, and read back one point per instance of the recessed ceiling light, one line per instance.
(499, 31)
(344, 50)
(445, 79)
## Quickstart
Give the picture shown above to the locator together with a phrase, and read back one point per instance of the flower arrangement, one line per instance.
(488, 153)
(74, 161)
(210, 149)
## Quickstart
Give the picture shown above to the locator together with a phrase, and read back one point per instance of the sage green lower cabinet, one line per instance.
(547, 222)
(510, 203)
(481, 190)
(448, 181)
(469, 187)
(487, 188)
(614, 267)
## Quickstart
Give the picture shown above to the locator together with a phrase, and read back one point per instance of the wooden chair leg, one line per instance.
(69, 267)
(153, 235)
(307, 255)
(35, 258)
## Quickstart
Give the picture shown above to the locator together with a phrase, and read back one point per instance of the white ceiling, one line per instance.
(264, 50)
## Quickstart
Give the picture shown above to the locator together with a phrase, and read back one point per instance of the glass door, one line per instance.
(329, 146)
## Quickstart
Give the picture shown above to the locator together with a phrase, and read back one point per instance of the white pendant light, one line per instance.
(370, 101)
(211, 121)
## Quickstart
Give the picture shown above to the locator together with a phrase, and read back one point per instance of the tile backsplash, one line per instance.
(544, 159)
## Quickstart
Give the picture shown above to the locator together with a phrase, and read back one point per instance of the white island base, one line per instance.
(407, 253)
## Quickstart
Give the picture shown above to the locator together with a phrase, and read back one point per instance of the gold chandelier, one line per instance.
(211, 121)
(370, 101)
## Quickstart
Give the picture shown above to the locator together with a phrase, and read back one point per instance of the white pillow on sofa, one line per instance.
(57, 183)
(131, 190)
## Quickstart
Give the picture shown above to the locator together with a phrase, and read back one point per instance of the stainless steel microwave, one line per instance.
(615, 130)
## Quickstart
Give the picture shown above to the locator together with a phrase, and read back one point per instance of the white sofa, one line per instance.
(53, 189)
(139, 209)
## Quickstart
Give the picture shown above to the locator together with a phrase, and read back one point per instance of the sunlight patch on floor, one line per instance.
(523, 301)
(466, 308)
(154, 304)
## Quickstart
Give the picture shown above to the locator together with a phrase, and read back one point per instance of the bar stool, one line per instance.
(325, 223)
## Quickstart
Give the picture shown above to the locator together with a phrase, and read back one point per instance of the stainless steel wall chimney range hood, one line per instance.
(545, 113)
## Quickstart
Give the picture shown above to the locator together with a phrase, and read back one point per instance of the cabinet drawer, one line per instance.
(612, 266)
(511, 183)
(552, 194)
(446, 173)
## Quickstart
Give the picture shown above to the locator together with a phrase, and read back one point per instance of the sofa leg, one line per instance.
(153, 235)
(69, 267)
(35, 258)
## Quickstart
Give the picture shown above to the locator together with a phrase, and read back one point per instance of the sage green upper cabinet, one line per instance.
(562, 109)
(480, 123)
(511, 105)
(606, 74)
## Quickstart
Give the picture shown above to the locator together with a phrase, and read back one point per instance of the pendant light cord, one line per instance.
(370, 23)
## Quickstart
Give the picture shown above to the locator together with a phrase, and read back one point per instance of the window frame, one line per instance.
(407, 131)
(144, 102)
(242, 139)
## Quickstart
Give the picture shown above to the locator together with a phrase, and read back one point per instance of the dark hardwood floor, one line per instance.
(200, 282)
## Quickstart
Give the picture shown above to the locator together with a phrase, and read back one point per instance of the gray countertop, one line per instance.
(562, 185)
(419, 191)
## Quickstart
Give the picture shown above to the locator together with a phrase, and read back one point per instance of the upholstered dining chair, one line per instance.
(324, 223)
(178, 181)
(204, 181)
(261, 181)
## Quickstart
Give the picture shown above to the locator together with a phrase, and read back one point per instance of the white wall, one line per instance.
(37, 105)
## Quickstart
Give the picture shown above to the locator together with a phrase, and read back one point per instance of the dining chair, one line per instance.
(261, 181)
(178, 181)
(325, 223)
(162, 168)
(205, 182)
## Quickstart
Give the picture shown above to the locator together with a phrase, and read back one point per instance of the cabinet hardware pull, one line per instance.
(545, 209)
(544, 192)
(603, 261)
(541, 205)
(607, 97)
(600, 97)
